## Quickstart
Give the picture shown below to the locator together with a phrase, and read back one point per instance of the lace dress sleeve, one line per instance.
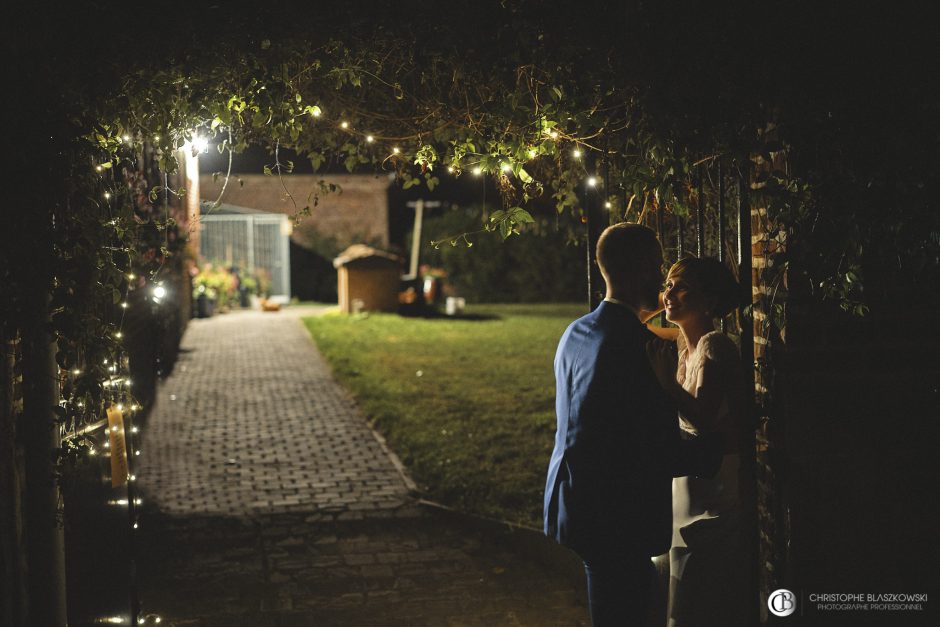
(719, 348)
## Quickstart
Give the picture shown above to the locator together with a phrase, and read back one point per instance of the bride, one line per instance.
(709, 561)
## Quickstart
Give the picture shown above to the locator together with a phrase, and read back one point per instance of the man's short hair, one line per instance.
(624, 247)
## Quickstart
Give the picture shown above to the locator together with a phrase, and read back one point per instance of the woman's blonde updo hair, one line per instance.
(713, 280)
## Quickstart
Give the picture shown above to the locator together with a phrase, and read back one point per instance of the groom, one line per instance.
(608, 494)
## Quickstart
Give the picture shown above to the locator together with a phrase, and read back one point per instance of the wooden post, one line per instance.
(45, 538)
(595, 225)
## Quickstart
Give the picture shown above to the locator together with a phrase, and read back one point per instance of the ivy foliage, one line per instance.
(629, 102)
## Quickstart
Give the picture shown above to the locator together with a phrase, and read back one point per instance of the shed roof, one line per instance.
(362, 252)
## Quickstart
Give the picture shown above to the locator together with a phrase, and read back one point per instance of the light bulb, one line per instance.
(505, 167)
(477, 171)
(576, 153)
(107, 195)
(395, 150)
(592, 181)
(344, 124)
(607, 205)
(370, 139)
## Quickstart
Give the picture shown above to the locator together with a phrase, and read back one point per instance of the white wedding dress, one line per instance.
(709, 559)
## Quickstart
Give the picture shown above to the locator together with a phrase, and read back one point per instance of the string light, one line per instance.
(576, 153)
(395, 150)
(370, 139)
(344, 124)
(131, 276)
(124, 305)
(592, 181)
(118, 335)
(607, 205)
(107, 195)
(477, 171)
(505, 167)
(450, 169)
(76, 372)
(553, 134)
(98, 168)
(315, 112)
(156, 138)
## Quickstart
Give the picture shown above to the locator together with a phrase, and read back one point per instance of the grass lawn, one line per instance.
(468, 405)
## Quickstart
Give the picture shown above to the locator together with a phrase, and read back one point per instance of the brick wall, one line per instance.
(357, 214)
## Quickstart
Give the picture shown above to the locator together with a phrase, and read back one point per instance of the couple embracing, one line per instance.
(648, 446)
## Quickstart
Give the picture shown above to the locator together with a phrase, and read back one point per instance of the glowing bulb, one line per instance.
(135, 527)
(477, 171)
(316, 112)
(76, 372)
(105, 362)
(395, 150)
(134, 429)
(123, 305)
(532, 153)
(450, 169)
(107, 195)
(344, 124)
(126, 138)
(505, 167)
(118, 335)
(156, 138)
(607, 205)
(159, 292)
(200, 144)
(114, 428)
(138, 501)
(553, 134)
(132, 478)
(98, 168)
(576, 153)
(91, 451)
(370, 139)
(81, 404)
(592, 181)
(131, 276)
(136, 452)
(120, 407)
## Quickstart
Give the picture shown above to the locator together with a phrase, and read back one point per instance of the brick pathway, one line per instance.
(269, 501)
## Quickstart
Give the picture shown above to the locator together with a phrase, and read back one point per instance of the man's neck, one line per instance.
(624, 303)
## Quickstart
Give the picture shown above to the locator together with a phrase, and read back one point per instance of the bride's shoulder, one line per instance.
(718, 347)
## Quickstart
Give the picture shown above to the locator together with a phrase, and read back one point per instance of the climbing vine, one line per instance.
(552, 106)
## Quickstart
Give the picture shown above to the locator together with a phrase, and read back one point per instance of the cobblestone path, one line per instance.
(269, 501)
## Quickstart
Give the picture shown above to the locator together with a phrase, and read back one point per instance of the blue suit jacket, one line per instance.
(617, 446)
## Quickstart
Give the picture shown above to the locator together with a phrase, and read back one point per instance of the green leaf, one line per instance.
(520, 216)
(267, 170)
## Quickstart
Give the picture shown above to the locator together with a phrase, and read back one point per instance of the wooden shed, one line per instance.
(368, 279)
